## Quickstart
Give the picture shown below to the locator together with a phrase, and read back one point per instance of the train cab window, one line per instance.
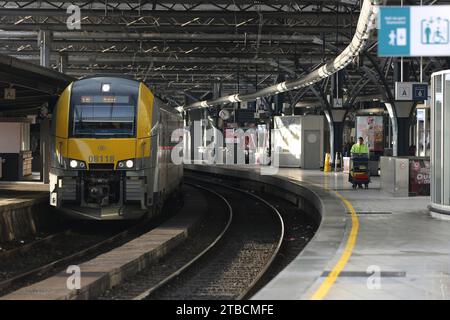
(102, 116)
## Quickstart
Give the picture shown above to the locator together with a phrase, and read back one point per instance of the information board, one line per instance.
(414, 31)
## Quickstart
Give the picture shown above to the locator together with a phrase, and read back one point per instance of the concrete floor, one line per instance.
(401, 252)
(397, 238)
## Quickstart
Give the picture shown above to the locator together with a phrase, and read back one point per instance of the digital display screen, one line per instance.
(105, 99)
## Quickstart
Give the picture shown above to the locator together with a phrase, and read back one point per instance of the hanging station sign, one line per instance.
(10, 94)
(414, 31)
(411, 91)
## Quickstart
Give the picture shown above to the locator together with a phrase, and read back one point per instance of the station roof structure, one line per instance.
(33, 84)
(183, 48)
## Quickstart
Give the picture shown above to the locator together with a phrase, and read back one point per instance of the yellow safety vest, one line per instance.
(359, 148)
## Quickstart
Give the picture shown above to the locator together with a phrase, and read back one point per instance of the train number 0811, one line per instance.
(101, 159)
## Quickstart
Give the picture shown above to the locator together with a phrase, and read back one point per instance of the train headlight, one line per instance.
(73, 164)
(125, 164)
(76, 164)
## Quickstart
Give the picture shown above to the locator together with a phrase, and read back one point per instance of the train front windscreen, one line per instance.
(103, 110)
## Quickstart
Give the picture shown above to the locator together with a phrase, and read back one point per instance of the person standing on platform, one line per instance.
(347, 147)
(360, 147)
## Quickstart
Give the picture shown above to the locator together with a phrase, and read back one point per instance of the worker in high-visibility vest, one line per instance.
(360, 147)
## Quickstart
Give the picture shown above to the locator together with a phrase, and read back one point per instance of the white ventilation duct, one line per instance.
(366, 23)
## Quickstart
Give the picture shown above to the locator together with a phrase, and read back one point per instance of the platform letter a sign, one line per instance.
(74, 20)
(74, 280)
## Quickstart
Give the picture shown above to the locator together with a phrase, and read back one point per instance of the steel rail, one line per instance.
(175, 274)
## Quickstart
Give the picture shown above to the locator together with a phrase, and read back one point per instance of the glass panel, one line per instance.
(103, 116)
(112, 120)
(437, 150)
(446, 144)
(438, 83)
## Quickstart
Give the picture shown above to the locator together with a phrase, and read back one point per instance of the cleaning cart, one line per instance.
(359, 174)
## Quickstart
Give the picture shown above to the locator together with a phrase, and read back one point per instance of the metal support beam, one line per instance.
(338, 129)
(217, 89)
(63, 62)
(45, 149)
(45, 42)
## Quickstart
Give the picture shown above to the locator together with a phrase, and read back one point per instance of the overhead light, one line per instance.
(133, 22)
(243, 22)
(193, 20)
(107, 49)
(317, 40)
(22, 20)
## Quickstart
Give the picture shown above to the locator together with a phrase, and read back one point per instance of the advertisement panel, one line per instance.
(419, 177)
(371, 129)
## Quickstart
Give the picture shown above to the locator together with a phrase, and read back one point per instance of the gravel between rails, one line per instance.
(228, 271)
(208, 230)
(299, 228)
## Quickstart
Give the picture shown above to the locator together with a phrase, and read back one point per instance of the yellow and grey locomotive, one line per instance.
(111, 145)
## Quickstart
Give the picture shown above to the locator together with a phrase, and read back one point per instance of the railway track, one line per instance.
(299, 226)
(230, 254)
(42, 258)
(37, 260)
(207, 235)
(227, 265)
(28, 247)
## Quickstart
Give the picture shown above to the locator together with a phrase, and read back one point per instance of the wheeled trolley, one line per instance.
(359, 174)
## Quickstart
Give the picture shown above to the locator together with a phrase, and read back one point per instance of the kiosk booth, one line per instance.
(440, 145)
(299, 141)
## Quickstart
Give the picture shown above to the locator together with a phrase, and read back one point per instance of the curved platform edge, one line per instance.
(439, 213)
(305, 273)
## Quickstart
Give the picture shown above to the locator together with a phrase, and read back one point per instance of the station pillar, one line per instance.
(63, 60)
(217, 89)
(338, 128)
(279, 98)
(403, 111)
(45, 149)
(440, 145)
(45, 45)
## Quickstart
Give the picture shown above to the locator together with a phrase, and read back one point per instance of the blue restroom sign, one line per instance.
(411, 91)
(414, 31)
(420, 91)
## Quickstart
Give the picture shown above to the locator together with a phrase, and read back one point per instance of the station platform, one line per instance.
(22, 206)
(369, 245)
(15, 193)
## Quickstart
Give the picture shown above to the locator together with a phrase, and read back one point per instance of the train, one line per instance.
(111, 150)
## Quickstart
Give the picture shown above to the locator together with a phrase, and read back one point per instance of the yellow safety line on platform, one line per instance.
(326, 285)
